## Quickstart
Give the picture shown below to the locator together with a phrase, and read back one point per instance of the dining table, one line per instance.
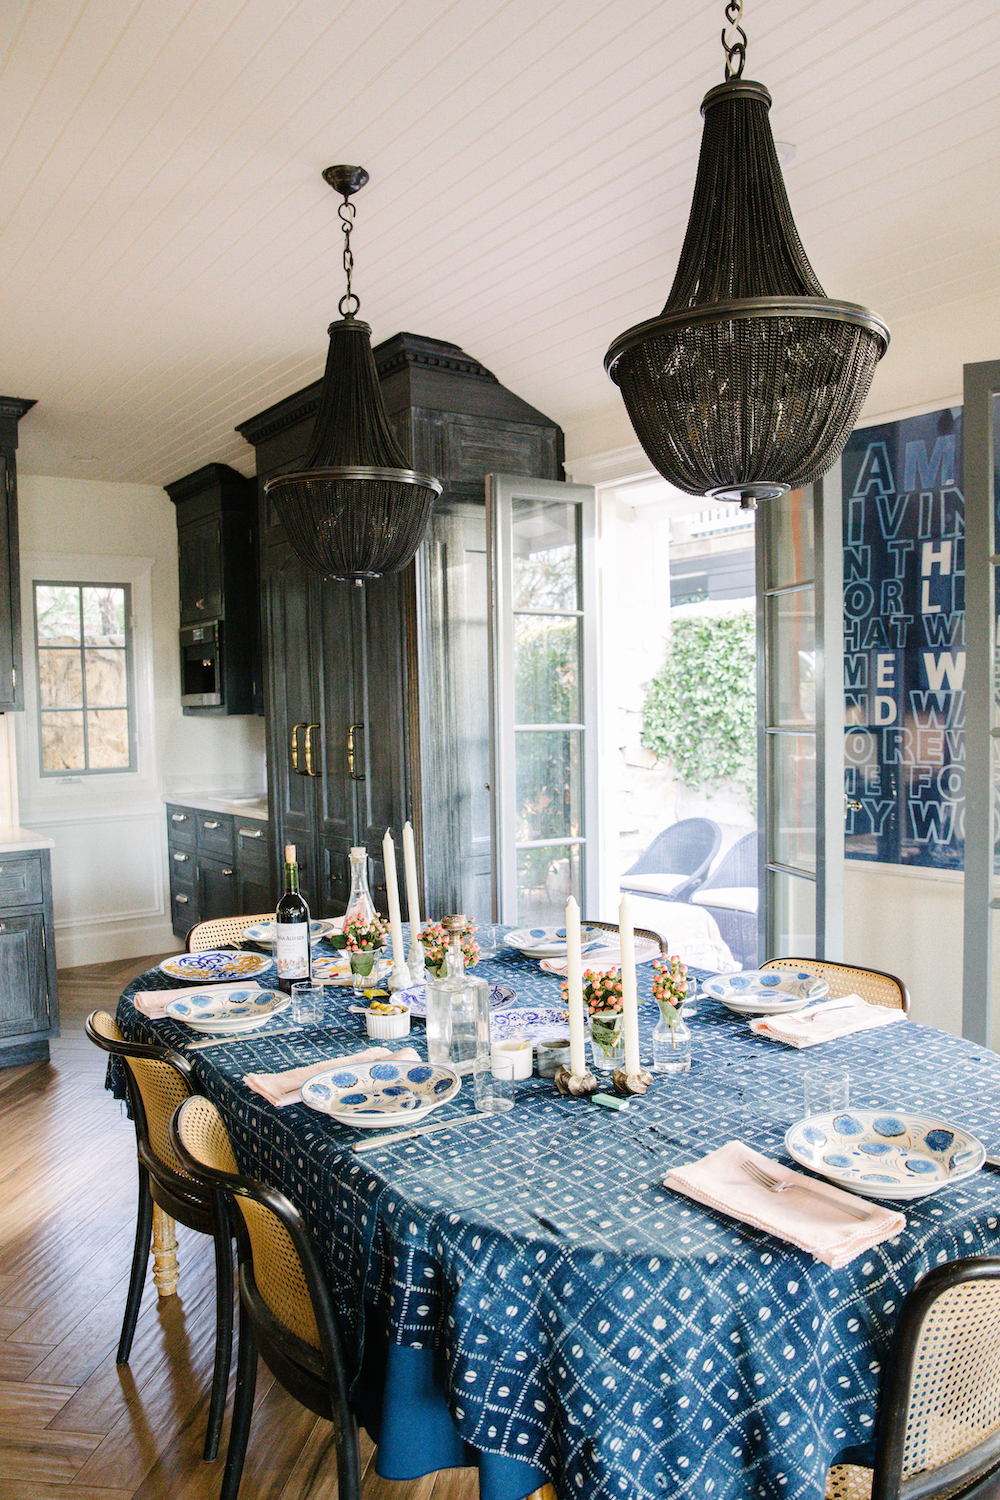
(525, 1293)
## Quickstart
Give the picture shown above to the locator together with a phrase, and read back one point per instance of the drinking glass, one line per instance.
(493, 1081)
(827, 1090)
(487, 936)
(307, 1003)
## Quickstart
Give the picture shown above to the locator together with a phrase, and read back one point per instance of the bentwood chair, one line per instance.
(939, 1407)
(646, 932)
(846, 979)
(222, 931)
(676, 862)
(285, 1307)
(158, 1080)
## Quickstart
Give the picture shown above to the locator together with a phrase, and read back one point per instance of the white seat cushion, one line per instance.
(736, 898)
(653, 885)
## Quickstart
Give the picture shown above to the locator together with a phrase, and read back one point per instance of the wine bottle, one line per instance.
(291, 927)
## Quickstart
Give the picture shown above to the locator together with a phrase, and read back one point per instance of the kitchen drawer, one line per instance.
(215, 834)
(21, 879)
(251, 843)
(182, 825)
(183, 863)
(185, 907)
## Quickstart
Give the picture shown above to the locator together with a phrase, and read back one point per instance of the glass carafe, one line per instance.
(359, 902)
(458, 1008)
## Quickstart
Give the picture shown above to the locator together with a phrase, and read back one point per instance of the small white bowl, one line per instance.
(519, 1050)
(385, 1026)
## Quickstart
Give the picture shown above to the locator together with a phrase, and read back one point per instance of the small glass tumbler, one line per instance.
(690, 1007)
(493, 1081)
(487, 936)
(827, 1090)
(307, 1004)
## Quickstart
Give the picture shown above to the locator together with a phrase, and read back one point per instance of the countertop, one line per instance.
(19, 840)
(251, 806)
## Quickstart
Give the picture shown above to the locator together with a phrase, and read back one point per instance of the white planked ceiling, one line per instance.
(171, 257)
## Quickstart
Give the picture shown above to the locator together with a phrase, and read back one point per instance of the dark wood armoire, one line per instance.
(377, 695)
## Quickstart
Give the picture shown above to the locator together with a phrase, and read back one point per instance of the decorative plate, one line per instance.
(543, 1023)
(883, 1154)
(335, 968)
(263, 932)
(604, 957)
(550, 942)
(380, 1093)
(765, 992)
(237, 1010)
(416, 999)
(214, 964)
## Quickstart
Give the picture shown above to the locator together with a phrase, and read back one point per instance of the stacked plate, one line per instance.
(380, 1093)
(263, 932)
(550, 942)
(881, 1153)
(231, 1012)
(415, 999)
(765, 992)
(215, 966)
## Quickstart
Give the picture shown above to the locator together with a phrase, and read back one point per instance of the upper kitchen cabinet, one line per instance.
(376, 696)
(217, 560)
(11, 686)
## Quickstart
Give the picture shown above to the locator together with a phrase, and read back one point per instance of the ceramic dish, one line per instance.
(380, 1093)
(239, 1010)
(883, 1154)
(765, 992)
(550, 942)
(605, 957)
(416, 1000)
(214, 964)
(330, 969)
(542, 1023)
(263, 932)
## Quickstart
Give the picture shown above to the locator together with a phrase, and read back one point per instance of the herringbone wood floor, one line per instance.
(73, 1425)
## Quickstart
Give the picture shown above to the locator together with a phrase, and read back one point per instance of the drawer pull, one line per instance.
(178, 817)
(251, 833)
(210, 823)
(182, 858)
(3, 926)
(182, 900)
(227, 872)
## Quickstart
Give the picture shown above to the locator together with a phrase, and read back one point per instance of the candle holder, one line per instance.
(416, 962)
(400, 978)
(631, 1083)
(576, 1085)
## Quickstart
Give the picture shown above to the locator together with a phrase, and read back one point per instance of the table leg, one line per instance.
(166, 1272)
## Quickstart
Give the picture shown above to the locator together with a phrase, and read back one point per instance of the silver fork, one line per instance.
(779, 1185)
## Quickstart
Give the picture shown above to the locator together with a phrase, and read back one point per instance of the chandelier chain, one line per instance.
(734, 40)
(346, 212)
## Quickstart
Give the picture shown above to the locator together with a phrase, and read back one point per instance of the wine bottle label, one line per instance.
(293, 950)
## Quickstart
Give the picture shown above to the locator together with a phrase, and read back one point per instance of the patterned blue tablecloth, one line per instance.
(617, 1336)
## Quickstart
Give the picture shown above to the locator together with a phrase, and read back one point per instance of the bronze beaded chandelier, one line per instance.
(354, 510)
(750, 381)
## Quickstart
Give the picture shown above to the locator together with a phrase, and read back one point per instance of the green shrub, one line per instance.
(701, 709)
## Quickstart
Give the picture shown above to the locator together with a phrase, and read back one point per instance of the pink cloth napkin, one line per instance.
(281, 1089)
(813, 1027)
(719, 1181)
(153, 1003)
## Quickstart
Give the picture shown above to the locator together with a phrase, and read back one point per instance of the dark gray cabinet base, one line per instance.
(219, 867)
(29, 1005)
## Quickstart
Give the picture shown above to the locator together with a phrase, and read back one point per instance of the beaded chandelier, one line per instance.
(354, 510)
(750, 381)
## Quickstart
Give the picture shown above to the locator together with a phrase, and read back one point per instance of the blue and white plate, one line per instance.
(415, 999)
(380, 1093)
(263, 932)
(765, 992)
(542, 1023)
(237, 1010)
(215, 965)
(880, 1153)
(550, 942)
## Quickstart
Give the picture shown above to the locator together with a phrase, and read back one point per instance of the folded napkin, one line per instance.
(153, 1003)
(280, 1089)
(811, 1027)
(719, 1181)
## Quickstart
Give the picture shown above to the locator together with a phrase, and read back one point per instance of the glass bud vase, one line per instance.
(607, 1040)
(671, 1045)
(359, 902)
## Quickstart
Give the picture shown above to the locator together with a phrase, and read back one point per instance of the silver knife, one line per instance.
(405, 1135)
(244, 1036)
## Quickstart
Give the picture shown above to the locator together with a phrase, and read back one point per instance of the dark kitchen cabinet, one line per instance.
(11, 677)
(369, 689)
(219, 867)
(218, 586)
(29, 1002)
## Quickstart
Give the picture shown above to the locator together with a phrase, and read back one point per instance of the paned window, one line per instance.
(84, 643)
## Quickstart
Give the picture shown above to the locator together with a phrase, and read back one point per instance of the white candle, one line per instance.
(574, 986)
(630, 996)
(392, 891)
(412, 893)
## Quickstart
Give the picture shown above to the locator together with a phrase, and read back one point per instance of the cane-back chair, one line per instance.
(846, 979)
(939, 1407)
(286, 1311)
(158, 1079)
(646, 932)
(222, 931)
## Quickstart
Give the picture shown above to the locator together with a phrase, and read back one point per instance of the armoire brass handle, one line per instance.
(309, 750)
(294, 740)
(354, 775)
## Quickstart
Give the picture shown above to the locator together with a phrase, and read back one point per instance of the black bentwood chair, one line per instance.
(285, 1308)
(939, 1408)
(158, 1079)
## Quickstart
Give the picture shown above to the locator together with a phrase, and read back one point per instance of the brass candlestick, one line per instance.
(576, 1085)
(631, 1083)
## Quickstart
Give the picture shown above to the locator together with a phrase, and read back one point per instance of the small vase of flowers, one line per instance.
(671, 1038)
(435, 942)
(363, 940)
(602, 996)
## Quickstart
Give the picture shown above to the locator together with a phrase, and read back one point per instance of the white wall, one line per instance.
(109, 865)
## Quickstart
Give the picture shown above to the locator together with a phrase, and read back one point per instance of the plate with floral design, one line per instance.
(215, 964)
(605, 957)
(550, 942)
(381, 1094)
(542, 1023)
(416, 999)
(881, 1153)
(236, 1010)
(765, 992)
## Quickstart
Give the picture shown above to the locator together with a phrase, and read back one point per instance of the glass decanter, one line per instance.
(458, 1008)
(359, 902)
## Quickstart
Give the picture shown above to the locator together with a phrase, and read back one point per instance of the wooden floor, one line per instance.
(73, 1425)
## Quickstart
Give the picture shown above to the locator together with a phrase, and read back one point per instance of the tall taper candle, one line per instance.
(416, 958)
(630, 996)
(400, 976)
(574, 986)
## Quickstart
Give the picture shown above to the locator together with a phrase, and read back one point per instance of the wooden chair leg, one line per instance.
(239, 1430)
(166, 1273)
(143, 1230)
(223, 1330)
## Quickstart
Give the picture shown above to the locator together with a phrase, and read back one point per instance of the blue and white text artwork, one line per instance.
(904, 642)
